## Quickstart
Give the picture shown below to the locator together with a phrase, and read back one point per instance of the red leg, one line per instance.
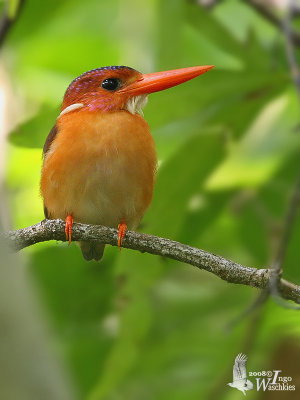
(122, 230)
(68, 229)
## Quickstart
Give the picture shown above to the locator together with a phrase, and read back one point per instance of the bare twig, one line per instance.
(8, 18)
(290, 50)
(255, 305)
(225, 269)
(208, 4)
(293, 206)
(267, 13)
(287, 229)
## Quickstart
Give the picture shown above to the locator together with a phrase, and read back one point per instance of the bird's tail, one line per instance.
(92, 250)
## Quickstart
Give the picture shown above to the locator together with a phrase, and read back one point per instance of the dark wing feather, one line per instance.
(46, 212)
(50, 139)
(46, 148)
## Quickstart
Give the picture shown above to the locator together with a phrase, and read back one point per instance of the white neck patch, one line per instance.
(72, 107)
(135, 104)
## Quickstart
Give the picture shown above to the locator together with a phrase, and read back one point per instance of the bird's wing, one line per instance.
(50, 139)
(239, 368)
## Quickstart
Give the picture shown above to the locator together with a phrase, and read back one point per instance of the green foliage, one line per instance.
(137, 326)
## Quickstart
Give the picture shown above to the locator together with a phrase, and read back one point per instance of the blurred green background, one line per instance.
(137, 326)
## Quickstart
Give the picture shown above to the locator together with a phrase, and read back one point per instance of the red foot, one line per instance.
(68, 229)
(122, 230)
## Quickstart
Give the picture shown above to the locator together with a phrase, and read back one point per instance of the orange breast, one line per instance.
(100, 168)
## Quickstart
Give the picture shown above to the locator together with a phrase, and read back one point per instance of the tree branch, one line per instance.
(225, 269)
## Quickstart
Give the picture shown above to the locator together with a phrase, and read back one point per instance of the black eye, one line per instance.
(110, 84)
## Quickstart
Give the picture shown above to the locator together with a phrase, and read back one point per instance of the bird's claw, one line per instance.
(68, 228)
(122, 230)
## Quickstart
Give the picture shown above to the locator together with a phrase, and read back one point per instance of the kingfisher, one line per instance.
(99, 159)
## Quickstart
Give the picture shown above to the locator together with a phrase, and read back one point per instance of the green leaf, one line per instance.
(34, 132)
(210, 27)
(78, 297)
(180, 178)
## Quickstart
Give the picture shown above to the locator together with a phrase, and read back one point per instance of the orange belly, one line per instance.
(100, 168)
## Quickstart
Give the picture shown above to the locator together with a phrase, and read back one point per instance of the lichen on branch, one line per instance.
(227, 270)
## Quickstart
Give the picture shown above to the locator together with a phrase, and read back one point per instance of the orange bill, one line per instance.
(157, 81)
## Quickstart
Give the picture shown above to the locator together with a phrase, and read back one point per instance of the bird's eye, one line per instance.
(110, 84)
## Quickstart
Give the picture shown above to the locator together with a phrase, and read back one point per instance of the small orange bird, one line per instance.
(99, 158)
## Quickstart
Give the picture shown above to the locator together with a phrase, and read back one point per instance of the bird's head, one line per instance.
(116, 88)
(249, 385)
